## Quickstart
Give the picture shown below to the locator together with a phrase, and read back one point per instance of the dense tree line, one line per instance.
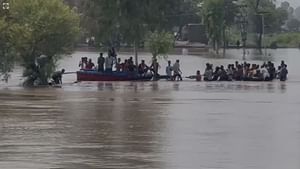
(129, 20)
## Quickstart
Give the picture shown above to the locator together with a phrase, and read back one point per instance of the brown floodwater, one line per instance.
(163, 125)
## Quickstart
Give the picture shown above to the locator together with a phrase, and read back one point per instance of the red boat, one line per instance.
(84, 75)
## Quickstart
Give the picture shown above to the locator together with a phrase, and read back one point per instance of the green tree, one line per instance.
(159, 43)
(219, 16)
(9, 34)
(128, 21)
(49, 29)
(214, 20)
(265, 17)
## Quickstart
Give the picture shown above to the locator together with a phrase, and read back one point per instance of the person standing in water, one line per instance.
(177, 71)
(154, 68)
(283, 73)
(57, 77)
(169, 70)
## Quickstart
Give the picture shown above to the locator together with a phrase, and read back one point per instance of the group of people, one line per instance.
(107, 64)
(237, 71)
(246, 72)
(173, 72)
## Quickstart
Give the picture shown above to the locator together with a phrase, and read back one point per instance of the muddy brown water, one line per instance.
(164, 125)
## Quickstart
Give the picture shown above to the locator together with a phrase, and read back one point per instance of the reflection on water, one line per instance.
(151, 125)
(164, 125)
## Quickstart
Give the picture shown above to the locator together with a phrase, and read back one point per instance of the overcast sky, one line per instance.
(294, 3)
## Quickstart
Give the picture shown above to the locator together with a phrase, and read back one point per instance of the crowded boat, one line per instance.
(113, 66)
(246, 72)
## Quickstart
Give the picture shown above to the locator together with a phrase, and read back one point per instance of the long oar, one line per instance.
(68, 73)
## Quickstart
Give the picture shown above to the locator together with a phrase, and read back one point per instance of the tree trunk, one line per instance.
(224, 41)
(217, 48)
(136, 53)
(259, 43)
(214, 45)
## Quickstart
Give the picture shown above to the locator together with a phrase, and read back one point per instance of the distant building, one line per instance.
(197, 33)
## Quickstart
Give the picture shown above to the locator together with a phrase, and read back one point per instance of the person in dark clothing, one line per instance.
(57, 76)
(283, 73)
(216, 74)
(90, 65)
(223, 74)
(272, 71)
(143, 68)
(101, 61)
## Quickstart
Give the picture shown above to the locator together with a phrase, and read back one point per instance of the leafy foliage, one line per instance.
(47, 28)
(274, 17)
(286, 40)
(159, 43)
(128, 21)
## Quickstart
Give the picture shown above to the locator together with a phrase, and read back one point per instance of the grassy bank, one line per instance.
(278, 40)
(284, 40)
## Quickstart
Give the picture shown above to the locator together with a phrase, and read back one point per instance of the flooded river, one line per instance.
(163, 125)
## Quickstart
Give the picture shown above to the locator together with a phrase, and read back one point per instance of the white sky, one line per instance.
(294, 3)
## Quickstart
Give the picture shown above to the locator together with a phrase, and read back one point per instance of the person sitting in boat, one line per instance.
(258, 76)
(208, 74)
(57, 77)
(125, 66)
(239, 73)
(131, 66)
(109, 62)
(143, 68)
(119, 65)
(90, 65)
(265, 73)
(177, 71)
(101, 61)
(223, 74)
(83, 63)
(169, 70)
(216, 74)
(230, 72)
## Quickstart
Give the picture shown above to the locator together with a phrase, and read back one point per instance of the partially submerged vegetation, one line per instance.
(36, 34)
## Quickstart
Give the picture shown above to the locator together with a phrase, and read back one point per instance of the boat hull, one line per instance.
(110, 76)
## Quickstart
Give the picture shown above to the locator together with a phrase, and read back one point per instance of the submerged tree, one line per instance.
(6, 49)
(48, 31)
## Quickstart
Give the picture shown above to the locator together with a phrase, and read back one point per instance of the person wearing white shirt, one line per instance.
(265, 73)
(109, 61)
